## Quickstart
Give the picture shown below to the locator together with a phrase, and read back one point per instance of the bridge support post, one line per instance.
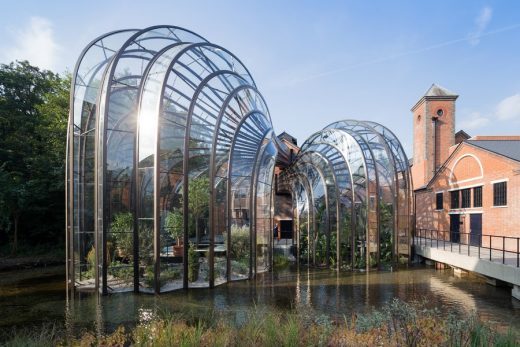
(440, 266)
(460, 272)
(515, 292)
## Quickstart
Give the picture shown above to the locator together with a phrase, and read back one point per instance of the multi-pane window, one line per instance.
(439, 201)
(466, 198)
(500, 194)
(454, 197)
(477, 197)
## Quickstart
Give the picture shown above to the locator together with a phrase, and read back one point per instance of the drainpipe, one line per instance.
(434, 131)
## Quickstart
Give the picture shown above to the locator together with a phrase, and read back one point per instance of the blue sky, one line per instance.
(315, 61)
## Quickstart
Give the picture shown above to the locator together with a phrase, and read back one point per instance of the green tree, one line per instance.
(198, 195)
(174, 224)
(33, 123)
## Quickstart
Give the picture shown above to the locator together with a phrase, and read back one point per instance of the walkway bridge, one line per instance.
(496, 257)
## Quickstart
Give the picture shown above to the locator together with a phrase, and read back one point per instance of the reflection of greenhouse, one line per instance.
(171, 157)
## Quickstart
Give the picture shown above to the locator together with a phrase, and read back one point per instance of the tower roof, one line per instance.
(436, 90)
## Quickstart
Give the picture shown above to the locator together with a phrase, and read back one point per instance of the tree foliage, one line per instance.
(174, 224)
(33, 123)
(198, 200)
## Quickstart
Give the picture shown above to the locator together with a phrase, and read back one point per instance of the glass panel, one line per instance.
(87, 80)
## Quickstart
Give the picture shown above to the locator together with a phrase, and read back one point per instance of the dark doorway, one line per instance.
(455, 228)
(286, 228)
(475, 225)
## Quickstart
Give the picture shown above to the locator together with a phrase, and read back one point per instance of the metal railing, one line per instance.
(492, 247)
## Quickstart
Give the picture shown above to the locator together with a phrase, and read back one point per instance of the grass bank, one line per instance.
(396, 324)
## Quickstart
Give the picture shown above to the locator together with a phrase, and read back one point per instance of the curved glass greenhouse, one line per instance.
(351, 190)
(171, 157)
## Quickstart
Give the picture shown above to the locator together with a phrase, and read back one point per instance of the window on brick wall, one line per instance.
(454, 199)
(500, 194)
(439, 201)
(477, 197)
(466, 198)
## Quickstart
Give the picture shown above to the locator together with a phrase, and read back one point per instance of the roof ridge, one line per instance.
(438, 90)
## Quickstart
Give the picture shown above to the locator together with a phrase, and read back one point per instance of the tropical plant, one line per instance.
(239, 245)
(198, 201)
(166, 275)
(122, 271)
(240, 267)
(122, 236)
(193, 263)
(174, 224)
(280, 261)
(121, 233)
(91, 263)
(386, 220)
(320, 248)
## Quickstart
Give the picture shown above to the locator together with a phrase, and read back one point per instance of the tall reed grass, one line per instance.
(396, 324)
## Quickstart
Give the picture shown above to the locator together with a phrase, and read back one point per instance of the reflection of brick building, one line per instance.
(283, 209)
(463, 184)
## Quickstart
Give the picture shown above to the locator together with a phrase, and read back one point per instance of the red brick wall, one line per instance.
(419, 146)
(445, 137)
(431, 148)
(466, 168)
(466, 172)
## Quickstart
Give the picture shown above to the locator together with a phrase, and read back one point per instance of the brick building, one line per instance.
(283, 203)
(464, 186)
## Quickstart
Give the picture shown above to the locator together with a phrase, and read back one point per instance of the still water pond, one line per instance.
(38, 296)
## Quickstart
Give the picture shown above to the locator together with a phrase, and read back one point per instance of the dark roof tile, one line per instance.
(507, 148)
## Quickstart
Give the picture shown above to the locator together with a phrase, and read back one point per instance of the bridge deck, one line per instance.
(502, 265)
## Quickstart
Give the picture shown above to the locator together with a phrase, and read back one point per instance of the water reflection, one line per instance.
(309, 291)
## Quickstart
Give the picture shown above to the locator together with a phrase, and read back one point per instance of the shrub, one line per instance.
(280, 261)
(174, 224)
(167, 275)
(395, 324)
(122, 271)
(121, 233)
(240, 239)
(193, 263)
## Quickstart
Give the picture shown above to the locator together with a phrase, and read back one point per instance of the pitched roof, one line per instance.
(436, 90)
(463, 134)
(507, 148)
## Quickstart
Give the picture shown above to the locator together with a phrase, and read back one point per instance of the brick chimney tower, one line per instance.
(433, 133)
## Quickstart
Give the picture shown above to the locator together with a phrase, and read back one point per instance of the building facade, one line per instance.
(466, 188)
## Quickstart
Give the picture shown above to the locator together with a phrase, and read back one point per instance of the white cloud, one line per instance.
(35, 43)
(481, 23)
(509, 108)
(474, 121)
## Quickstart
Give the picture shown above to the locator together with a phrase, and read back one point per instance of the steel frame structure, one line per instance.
(170, 167)
(154, 111)
(356, 174)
